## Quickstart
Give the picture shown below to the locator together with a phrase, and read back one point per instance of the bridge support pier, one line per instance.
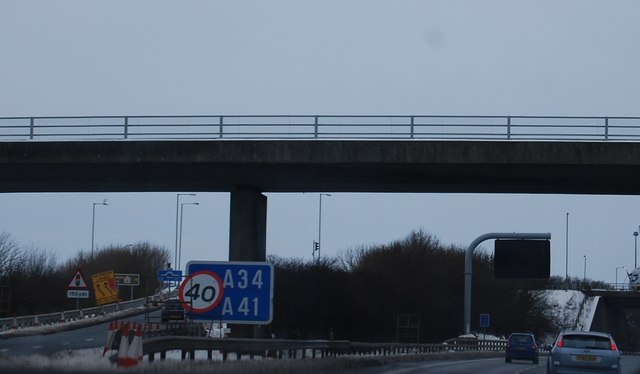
(248, 226)
(247, 240)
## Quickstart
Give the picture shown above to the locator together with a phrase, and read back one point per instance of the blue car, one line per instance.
(521, 346)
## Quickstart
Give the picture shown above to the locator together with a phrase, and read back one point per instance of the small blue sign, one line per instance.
(169, 275)
(485, 320)
(232, 292)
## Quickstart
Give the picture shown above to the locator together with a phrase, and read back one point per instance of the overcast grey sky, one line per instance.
(574, 58)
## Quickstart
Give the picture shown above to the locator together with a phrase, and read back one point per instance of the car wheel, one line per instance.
(535, 361)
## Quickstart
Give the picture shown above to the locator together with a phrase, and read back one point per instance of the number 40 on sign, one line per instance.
(235, 292)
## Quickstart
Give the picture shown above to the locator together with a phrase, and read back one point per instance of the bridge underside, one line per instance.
(316, 166)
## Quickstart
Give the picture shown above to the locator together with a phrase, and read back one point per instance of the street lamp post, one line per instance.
(584, 276)
(175, 258)
(180, 241)
(566, 261)
(93, 224)
(320, 222)
(635, 261)
(618, 268)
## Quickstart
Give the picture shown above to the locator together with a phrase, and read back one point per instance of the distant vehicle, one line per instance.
(634, 280)
(521, 346)
(584, 351)
(172, 310)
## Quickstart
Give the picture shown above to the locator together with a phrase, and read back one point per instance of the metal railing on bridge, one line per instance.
(18, 322)
(324, 127)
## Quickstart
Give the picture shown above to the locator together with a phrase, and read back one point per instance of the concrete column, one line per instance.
(248, 226)
(247, 240)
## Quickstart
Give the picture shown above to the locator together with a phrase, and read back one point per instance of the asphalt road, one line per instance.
(94, 336)
(46, 345)
(631, 365)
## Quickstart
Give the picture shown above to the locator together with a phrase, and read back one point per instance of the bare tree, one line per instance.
(350, 258)
(38, 263)
(11, 257)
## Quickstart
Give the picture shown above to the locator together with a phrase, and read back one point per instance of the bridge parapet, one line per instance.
(294, 127)
(619, 293)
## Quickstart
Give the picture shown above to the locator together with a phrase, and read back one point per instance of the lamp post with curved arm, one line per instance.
(93, 224)
(175, 256)
(618, 268)
(320, 222)
(635, 258)
(180, 241)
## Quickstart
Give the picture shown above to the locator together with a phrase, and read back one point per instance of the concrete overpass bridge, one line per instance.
(249, 155)
(617, 312)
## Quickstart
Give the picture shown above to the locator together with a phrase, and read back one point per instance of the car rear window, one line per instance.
(522, 339)
(586, 342)
(173, 305)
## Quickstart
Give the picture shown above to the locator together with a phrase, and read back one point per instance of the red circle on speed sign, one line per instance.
(201, 291)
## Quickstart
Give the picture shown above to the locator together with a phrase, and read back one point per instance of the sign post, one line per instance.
(485, 319)
(170, 276)
(231, 292)
(130, 280)
(77, 288)
(468, 265)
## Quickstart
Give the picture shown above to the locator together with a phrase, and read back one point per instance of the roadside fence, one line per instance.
(127, 342)
(294, 349)
(68, 315)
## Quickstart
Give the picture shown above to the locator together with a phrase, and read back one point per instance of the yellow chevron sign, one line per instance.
(104, 287)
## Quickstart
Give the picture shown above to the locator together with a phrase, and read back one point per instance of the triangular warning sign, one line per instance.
(77, 281)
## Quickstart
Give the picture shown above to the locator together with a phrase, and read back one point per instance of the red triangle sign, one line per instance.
(77, 281)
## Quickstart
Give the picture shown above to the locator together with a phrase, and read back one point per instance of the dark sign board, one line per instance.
(522, 258)
(485, 319)
(127, 279)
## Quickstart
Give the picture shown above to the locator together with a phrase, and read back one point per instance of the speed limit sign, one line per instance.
(201, 291)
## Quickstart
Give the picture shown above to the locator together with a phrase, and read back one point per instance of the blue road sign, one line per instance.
(485, 320)
(169, 275)
(232, 292)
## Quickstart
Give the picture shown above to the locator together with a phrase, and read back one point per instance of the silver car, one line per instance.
(584, 351)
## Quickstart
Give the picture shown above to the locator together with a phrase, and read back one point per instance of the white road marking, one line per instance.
(527, 369)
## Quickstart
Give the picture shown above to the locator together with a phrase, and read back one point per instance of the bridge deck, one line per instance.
(321, 165)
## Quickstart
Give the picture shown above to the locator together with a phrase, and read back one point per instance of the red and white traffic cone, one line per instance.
(135, 350)
(123, 351)
(113, 325)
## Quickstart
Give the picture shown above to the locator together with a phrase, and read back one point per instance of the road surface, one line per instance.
(631, 365)
(94, 336)
(46, 345)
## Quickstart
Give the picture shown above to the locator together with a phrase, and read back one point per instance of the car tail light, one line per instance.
(534, 347)
(613, 346)
(508, 345)
(559, 343)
